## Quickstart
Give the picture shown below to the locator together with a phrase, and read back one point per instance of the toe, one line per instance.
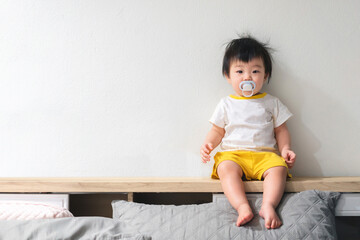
(267, 223)
(238, 223)
(276, 224)
(273, 224)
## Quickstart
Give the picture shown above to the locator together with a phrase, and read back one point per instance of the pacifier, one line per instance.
(247, 86)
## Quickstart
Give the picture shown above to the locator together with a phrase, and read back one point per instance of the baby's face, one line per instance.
(245, 71)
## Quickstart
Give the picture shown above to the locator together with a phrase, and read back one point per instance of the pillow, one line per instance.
(83, 228)
(305, 215)
(22, 210)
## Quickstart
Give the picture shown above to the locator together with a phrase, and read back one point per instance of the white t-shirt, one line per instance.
(249, 122)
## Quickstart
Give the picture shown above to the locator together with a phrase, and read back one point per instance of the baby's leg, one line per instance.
(230, 175)
(274, 185)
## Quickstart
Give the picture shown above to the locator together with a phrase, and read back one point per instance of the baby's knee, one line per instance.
(227, 168)
(279, 171)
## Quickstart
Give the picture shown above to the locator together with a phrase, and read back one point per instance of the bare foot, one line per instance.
(245, 214)
(267, 212)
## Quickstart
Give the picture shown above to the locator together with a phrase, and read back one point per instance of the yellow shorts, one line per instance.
(253, 164)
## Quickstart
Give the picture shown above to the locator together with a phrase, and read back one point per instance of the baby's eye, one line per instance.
(256, 71)
(239, 71)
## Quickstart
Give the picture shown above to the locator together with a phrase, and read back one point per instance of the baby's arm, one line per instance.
(212, 140)
(283, 141)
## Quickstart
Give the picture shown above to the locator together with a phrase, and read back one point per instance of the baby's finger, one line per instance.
(204, 152)
(290, 162)
(286, 158)
(208, 147)
(207, 151)
(205, 159)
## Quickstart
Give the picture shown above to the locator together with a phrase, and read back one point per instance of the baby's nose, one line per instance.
(248, 77)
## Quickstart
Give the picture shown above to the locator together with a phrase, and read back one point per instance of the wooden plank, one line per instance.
(185, 184)
(334, 184)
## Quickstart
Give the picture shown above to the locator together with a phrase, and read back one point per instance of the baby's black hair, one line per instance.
(245, 49)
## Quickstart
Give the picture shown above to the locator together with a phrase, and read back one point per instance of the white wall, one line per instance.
(126, 88)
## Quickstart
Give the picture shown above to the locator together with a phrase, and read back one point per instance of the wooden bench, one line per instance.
(348, 205)
(150, 184)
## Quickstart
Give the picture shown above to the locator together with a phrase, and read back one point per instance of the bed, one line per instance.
(306, 213)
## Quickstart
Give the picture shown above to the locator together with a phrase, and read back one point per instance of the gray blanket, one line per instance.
(82, 228)
(305, 215)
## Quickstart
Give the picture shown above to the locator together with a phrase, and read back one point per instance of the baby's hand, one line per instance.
(205, 152)
(289, 156)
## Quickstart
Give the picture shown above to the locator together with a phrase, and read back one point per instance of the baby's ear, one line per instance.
(227, 78)
(266, 77)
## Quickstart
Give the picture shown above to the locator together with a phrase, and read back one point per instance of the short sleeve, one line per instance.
(219, 116)
(281, 113)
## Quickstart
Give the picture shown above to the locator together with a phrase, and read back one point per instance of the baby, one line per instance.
(251, 127)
